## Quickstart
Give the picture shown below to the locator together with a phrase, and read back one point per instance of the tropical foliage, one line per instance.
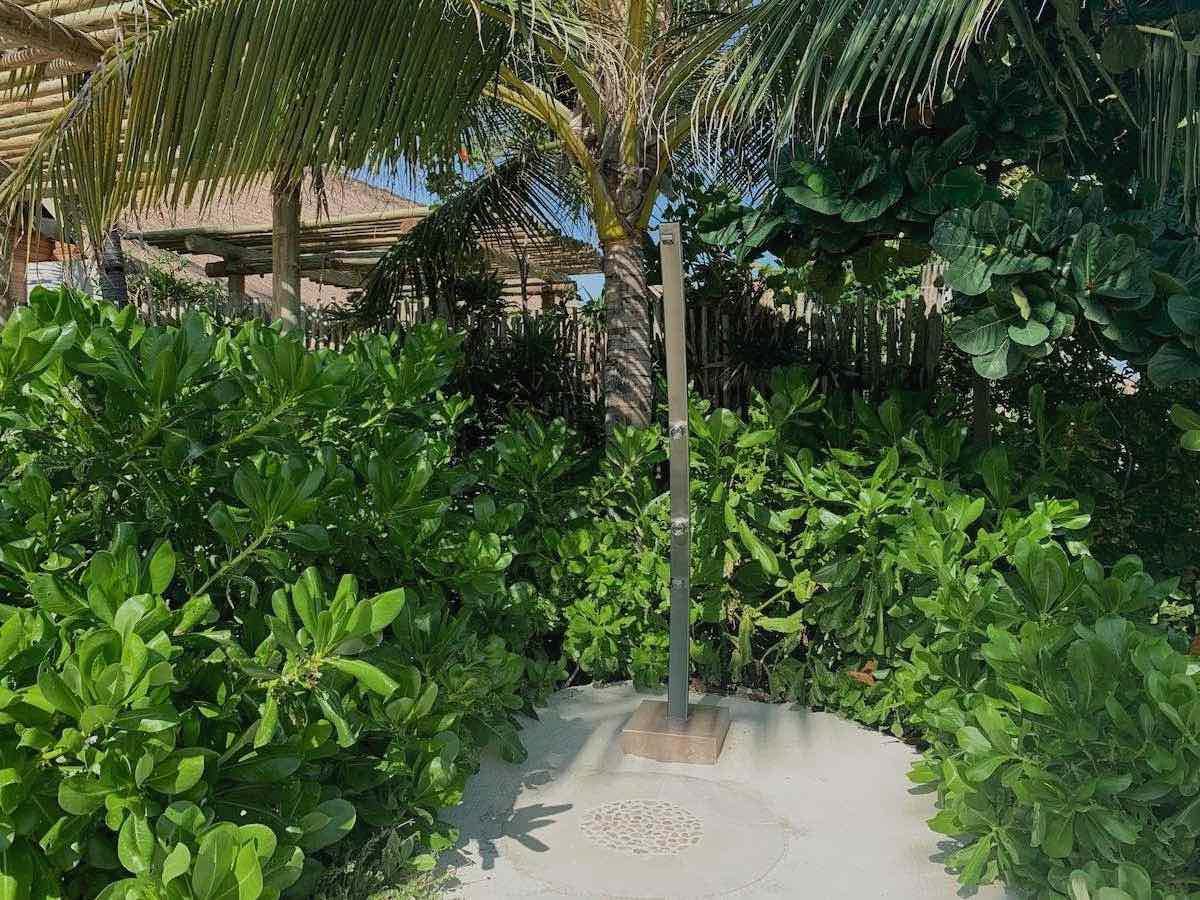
(262, 604)
(598, 106)
(1035, 241)
(869, 560)
(198, 698)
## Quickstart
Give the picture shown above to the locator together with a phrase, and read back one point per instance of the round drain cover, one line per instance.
(642, 827)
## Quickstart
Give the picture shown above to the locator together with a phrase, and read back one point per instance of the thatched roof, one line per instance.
(348, 229)
(252, 210)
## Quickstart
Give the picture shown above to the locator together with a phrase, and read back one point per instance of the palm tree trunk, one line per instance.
(113, 287)
(12, 278)
(628, 376)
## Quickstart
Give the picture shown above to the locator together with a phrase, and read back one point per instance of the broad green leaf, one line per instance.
(305, 595)
(370, 677)
(1184, 418)
(177, 863)
(385, 607)
(999, 364)
(1185, 313)
(135, 844)
(261, 837)
(267, 766)
(1172, 363)
(194, 611)
(214, 861)
(1123, 829)
(758, 551)
(1134, 881)
(178, 773)
(56, 692)
(81, 795)
(269, 722)
(1060, 836)
(328, 823)
(1029, 334)
(312, 537)
(814, 187)
(755, 438)
(247, 875)
(283, 869)
(1030, 701)
(161, 568)
(16, 872)
(981, 333)
(974, 860)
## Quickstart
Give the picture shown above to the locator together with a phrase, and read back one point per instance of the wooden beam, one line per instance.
(18, 88)
(336, 278)
(198, 243)
(65, 7)
(285, 255)
(245, 233)
(258, 264)
(41, 117)
(104, 17)
(23, 106)
(43, 33)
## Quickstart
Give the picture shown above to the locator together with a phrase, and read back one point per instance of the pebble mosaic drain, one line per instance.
(642, 827)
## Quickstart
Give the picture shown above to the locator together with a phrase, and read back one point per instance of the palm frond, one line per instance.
(812, 64)
(526, 194)
(1168, 101)
(230, 92)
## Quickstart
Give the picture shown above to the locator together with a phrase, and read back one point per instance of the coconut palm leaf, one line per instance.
(822, 61)
(808, 67)
(526, 194)
(1168, 106)
(230, 92)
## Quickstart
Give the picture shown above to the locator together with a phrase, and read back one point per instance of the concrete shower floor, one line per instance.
(800, 805)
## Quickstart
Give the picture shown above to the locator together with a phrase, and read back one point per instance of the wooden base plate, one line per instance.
(649, 733)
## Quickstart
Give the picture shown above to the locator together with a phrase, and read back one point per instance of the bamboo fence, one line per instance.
(733, 346)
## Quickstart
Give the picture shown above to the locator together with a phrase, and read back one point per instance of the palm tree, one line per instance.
(229, 92)
(232, 89)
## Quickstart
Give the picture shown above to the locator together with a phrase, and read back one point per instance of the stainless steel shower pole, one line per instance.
(670, 242)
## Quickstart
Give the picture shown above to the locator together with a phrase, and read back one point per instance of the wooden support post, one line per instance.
(236, 286)
(113, 287)
(285, 255)
(523, 270)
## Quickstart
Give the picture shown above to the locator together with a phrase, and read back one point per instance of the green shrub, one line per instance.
(205, 703)
(197, 700)
(865, 559)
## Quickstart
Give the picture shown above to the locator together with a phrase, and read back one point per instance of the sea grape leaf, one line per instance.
(1172, 363)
